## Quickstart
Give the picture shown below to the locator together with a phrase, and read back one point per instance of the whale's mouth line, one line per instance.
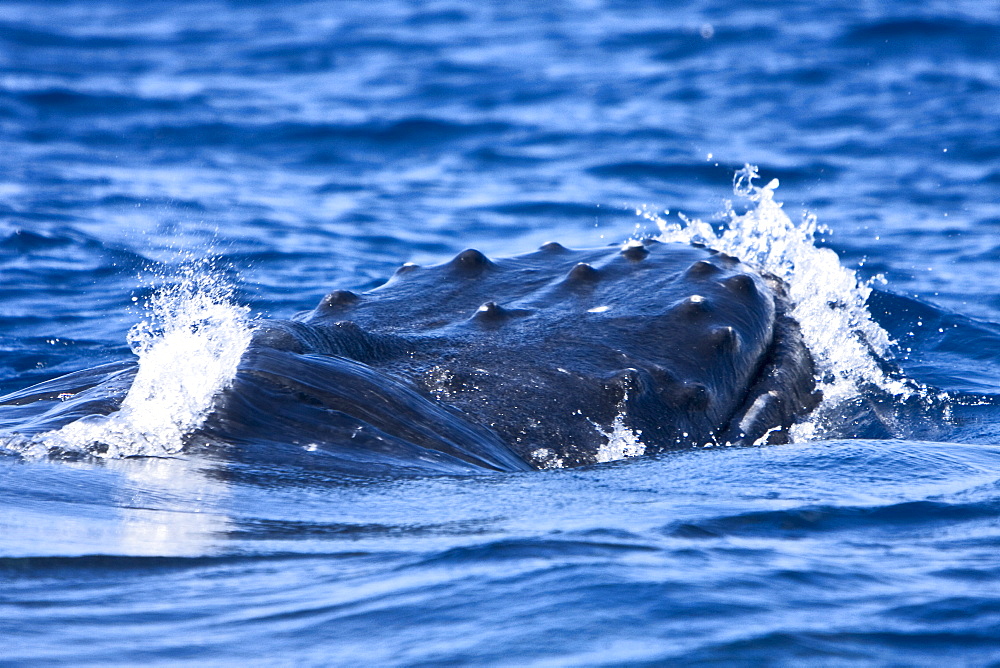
(364, 405)
(779, 378)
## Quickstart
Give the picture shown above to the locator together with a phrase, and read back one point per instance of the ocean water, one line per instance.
(172, 171)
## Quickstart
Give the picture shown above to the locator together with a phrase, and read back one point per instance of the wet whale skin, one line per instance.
(529, 361)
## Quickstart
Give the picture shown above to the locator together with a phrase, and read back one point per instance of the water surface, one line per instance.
(308, 146)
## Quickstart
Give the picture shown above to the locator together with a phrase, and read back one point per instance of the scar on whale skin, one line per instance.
(484, 362)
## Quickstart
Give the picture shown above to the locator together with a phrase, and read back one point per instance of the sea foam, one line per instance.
(828, 299)
(189, 345)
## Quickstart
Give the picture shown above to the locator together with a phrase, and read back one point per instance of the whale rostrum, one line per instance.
(518, 362)
(501, 364)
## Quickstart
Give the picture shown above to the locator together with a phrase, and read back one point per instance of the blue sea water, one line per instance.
(305, 146)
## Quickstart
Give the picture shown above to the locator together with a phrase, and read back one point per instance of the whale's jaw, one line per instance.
(547, 353)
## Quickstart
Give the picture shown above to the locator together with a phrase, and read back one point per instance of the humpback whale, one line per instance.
(532, 361)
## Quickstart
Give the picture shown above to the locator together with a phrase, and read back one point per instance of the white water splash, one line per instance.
(622, 442)
(189, 347)
(828, 299)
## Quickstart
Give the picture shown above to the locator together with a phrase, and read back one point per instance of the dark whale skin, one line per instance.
(521, 362)
(510, 364)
